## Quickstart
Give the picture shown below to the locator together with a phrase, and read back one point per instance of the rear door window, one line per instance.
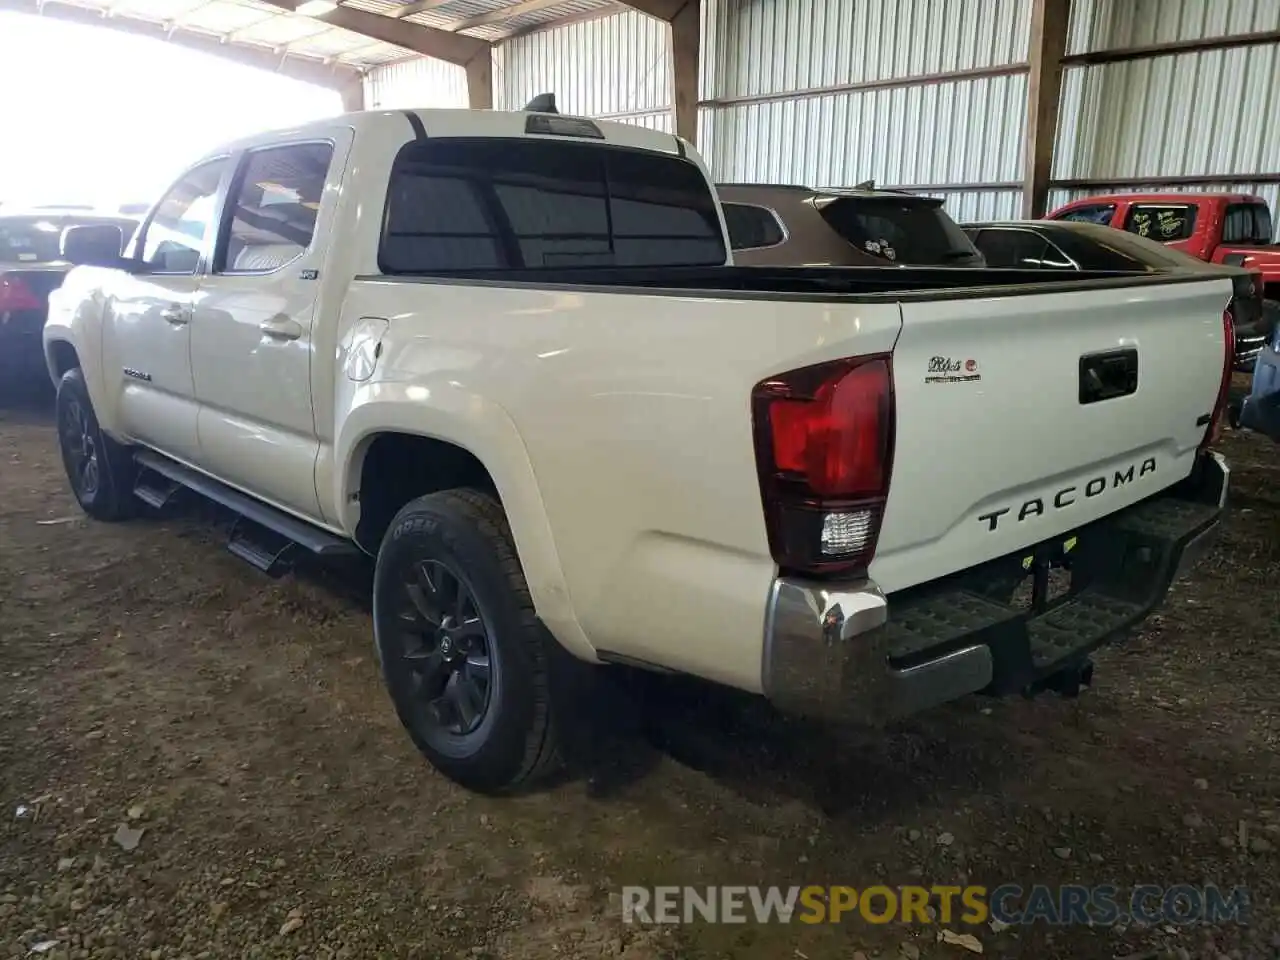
(517, 204)
(273, 213)
(906, 231)
(1165, 222)
(1100, 213)
(752, 227)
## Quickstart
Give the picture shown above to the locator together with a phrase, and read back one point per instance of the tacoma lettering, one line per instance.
(1064, 498)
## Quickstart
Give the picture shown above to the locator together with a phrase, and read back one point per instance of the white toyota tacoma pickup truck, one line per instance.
(509, 356)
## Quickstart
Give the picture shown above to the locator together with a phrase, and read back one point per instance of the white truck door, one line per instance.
(251, 342)
(148, 356)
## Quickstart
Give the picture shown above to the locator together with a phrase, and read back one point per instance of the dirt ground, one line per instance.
(150, 680)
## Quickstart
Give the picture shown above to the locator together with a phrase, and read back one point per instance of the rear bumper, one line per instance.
(844, 651)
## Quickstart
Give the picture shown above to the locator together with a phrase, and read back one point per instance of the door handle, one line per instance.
(281, 328)
(175, 314)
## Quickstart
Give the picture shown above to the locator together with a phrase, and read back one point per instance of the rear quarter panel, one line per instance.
(617, 427)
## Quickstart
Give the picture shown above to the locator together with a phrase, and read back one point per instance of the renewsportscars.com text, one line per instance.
(1008, 904)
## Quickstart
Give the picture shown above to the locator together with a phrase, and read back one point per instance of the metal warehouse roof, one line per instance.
(300, 34)
(491, 20)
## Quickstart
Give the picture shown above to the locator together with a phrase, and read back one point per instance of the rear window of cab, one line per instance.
(525, 204)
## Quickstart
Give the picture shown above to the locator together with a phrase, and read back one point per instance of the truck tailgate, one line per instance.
(1022, 418)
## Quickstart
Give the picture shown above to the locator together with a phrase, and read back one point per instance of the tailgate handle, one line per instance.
(1107, 375)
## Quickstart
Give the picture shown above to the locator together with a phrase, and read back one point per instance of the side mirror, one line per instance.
(93, 245)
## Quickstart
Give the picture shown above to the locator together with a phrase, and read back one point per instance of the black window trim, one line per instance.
(506, 236)
(139, 242)
(1193, 209)
(222, 238)
(777, 218)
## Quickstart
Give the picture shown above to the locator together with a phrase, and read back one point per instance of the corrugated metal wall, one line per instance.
(772, 115)
(616, 67)
(776, 103)
(421, 82)
(1203, 114)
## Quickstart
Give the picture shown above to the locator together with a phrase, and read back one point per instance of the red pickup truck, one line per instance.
(1231, 228)
(1209, 226)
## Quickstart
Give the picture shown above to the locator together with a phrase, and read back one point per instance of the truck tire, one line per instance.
(466, 661)
(99, 470)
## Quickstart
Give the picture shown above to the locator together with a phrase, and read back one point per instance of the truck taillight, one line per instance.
(16, 295)
(1212, 435)
(824, 450)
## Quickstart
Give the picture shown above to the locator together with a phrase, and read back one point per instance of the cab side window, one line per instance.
(274, 204)
(175, 236)
(1165, 222)
(1100, 213)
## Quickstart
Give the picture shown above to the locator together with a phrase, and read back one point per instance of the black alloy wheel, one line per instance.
(465, 659)
(100, 470)
(447, 650)
(78, 435)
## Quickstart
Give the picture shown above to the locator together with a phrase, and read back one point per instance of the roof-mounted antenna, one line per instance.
(542, 103)
(866, 185)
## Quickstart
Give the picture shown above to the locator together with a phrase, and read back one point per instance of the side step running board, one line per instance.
(320, 542)
(154, 490)
(259, 547)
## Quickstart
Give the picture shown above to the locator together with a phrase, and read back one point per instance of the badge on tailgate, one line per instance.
(1107, 375)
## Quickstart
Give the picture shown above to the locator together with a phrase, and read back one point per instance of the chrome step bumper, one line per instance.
(845, 651)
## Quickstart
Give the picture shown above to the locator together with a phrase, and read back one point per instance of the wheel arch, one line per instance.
(60, 355)
(480, 449)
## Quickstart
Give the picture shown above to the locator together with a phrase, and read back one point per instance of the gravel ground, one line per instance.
(231, 730)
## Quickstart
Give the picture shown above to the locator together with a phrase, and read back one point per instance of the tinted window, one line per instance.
(1263, 228)
(1093, 254)
(176, 233)
(751, 227)
(909, 231)
(1019, 250)
(1098, 213)
(1247, 223)
(1165, 222)
(527, 204)
(273, 216)
(39, 239)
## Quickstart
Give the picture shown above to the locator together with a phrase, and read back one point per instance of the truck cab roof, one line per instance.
(410, 124)
(1169, 196)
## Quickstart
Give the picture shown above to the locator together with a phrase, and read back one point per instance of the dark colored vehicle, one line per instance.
(780, 225)
(1080, 245)
(32, 265)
